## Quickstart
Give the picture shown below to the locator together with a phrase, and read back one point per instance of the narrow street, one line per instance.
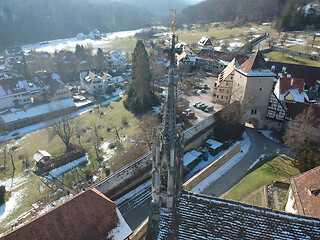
(259, 145)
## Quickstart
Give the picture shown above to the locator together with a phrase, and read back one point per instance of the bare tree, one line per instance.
(297, 136)
(116, 131)
(148, 123)
(11, 154)
(96, 140)
(4, 149)
(65, 129)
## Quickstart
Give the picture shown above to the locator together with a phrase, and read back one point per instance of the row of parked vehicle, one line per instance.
(202, 106)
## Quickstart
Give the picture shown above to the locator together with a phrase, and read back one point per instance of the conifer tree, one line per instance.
(140, 93)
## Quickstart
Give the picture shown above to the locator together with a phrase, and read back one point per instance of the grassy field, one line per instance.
(32, 188)
(222, 31)
(283, 57)
(250, 188)
(22, 197)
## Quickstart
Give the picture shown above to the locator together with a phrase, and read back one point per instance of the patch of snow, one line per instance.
(65, 168)
(12, 204)
(122, 231)
(108, 152)
(245, 145)
(257, 161)
(54, 204)
(268, 133)
(136, 192)
(12, 184)
(70, 43)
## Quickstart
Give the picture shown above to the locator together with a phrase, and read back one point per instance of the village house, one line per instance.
(304, 194)
(223, 90)
(290, 89)
(205, 43)
(13, 51)
(28, 116)
(94, 34)
(88, 215)
(116, 61)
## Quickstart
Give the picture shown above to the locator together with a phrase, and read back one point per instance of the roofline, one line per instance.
(284, 214)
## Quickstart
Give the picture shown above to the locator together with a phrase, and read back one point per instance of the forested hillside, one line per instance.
(38, 20)
(299, 15)
(240, 11)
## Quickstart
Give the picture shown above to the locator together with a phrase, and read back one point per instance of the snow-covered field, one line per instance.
(245, 145)
(12, 204)
(70, 43)
(13, 183)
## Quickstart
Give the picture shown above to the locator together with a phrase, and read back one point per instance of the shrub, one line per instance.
(2, 194)
(107, 171)
(88, 174)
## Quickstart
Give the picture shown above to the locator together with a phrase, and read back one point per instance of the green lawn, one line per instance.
(283, 57)
(220, 32)
(249, 189)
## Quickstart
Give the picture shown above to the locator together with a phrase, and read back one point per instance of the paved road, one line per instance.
(259, 145)
(135, 205)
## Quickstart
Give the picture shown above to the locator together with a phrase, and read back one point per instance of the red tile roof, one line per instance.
(203, 217)
(287, 84)
(256, 61)
(89, 215)
(306, 188)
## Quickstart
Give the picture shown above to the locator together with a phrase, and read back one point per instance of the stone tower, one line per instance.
(167, 153)
(167, 147)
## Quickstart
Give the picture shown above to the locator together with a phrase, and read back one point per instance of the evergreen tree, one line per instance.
(140, 93)
(2, 194)
(100, 59)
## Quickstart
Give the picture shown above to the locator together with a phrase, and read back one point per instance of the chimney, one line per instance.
(291, 82)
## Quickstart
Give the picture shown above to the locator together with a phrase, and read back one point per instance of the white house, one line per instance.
(116, 61)
(81, 36)
(205, 43)
(290, 89)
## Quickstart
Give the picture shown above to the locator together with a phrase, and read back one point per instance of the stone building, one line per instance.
(252, 87)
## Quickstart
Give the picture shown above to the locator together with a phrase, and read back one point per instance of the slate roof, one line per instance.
(310, 74)
(294, 109)
(212, 55)
(306, 189)
(203, 217)
(89, 215)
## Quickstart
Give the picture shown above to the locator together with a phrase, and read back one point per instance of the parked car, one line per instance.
(203, 107)
(205, 86)
(197, 103)
(186, 111)
(208, 109)
(190, 114)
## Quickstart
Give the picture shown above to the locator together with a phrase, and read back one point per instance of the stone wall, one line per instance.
(296, 53)
(139, 170)
(206, 172)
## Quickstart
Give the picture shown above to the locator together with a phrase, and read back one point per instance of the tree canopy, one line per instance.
(141, 96)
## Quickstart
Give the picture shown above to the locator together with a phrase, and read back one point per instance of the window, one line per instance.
(260, 89)
(254, 111)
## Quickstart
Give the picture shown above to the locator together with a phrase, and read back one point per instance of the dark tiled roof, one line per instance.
(212, 55)
(294, 109)
(310, 74)
(256, 61)
(203, 217)
(89, 215)
(306, 189)
(287, 84)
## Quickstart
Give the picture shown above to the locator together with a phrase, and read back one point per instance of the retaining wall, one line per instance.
(206, 172)
(139, 170)
(296, 53)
